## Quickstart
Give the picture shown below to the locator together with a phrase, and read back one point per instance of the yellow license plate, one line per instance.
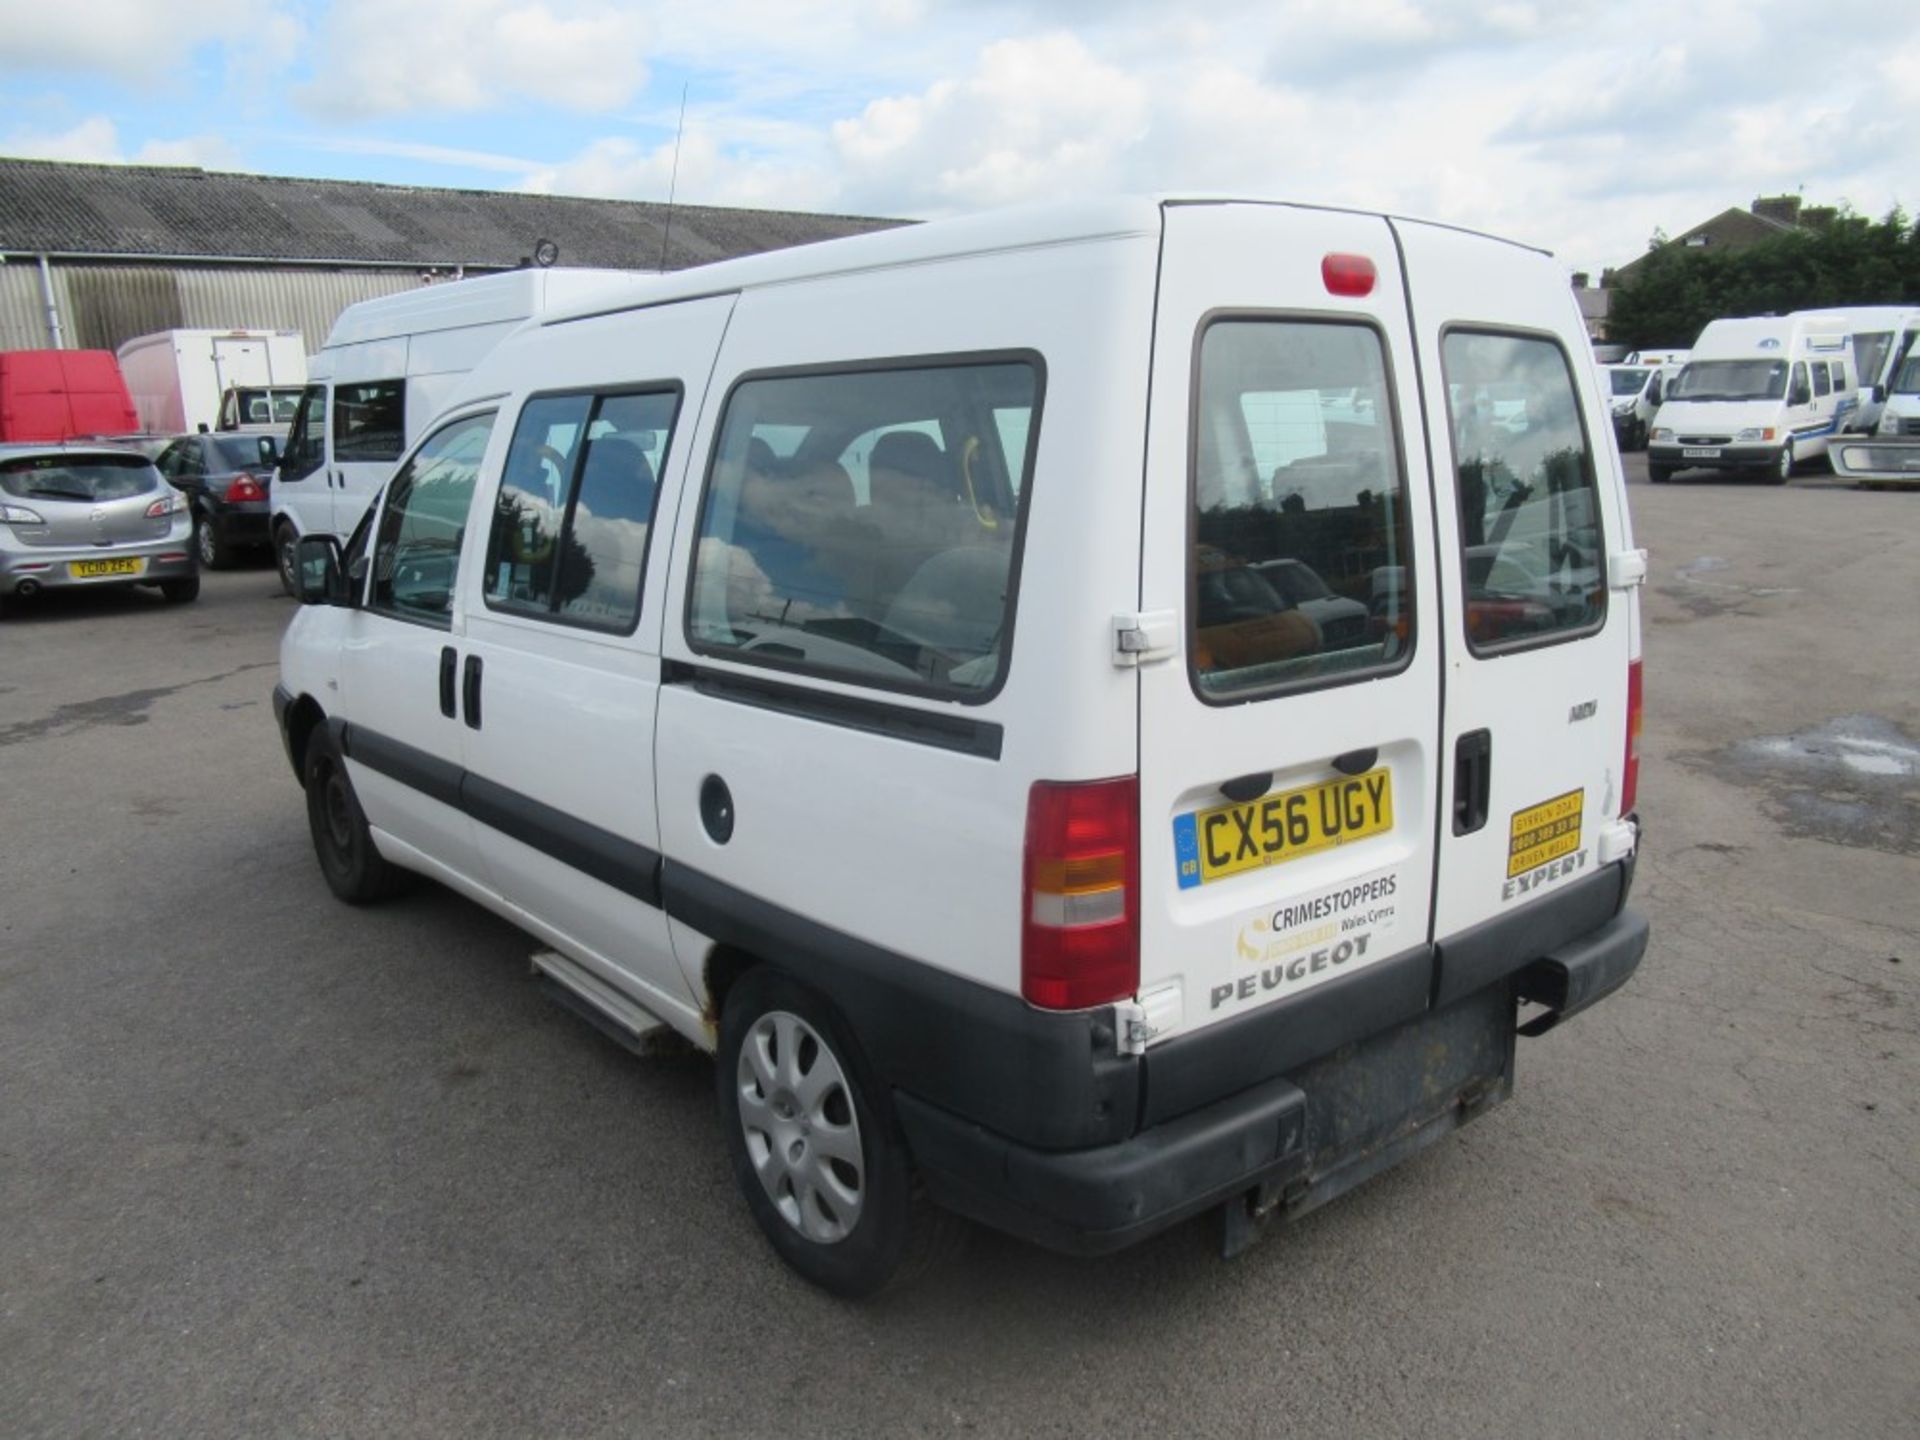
(1544, 832)
(1213, 844)
(91, 569)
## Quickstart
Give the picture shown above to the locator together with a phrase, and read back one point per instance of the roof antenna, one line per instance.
(672, 184)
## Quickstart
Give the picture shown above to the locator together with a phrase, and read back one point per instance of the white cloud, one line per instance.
(96, 141)
(1033, 117)
(711, 173)
(377, 58)
(133, 38)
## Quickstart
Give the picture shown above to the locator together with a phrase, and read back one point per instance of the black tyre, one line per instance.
(354, 870)
(813, 1142)
(286, 557)
(1659, 474)
(1782, 467)
(180, 592)
(215, 553)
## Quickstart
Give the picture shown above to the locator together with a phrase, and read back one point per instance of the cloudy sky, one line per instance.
(1580, 125)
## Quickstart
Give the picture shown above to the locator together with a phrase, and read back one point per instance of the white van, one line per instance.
(187, 380)
(1883, 337)
(387, 368)
(869, 661)
(1635, 393)
(1656, 357)
(1761, 395)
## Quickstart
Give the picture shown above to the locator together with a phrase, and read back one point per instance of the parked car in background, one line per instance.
(227, 480)
(86, 515)
(1342, 621)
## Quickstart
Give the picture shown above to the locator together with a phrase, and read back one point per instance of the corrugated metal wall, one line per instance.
(103, 305)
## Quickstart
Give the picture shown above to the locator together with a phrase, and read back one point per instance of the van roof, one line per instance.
(1021, 227)
(483, 300)
(1770, 335)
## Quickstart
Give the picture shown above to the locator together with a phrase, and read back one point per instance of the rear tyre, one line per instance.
(354, 870)
(286, 556)
(215, 553)
(180, 592)
(813, 1142)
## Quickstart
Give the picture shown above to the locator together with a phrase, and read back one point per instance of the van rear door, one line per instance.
(1538, 646)
(1287, 780)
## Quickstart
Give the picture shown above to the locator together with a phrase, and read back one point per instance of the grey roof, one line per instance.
(142, 210)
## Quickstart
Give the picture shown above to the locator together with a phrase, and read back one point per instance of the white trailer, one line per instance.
(186, 380)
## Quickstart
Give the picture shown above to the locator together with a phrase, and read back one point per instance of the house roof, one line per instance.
(179, 212)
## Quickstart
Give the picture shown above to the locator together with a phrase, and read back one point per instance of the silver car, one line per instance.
(83, 515)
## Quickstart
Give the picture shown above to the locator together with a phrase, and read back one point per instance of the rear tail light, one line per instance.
(1080, 935)
(1630, 783)
(244, 487)
(167, 504)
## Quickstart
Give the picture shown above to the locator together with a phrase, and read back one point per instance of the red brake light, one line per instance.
(244, 487)
(1630, 782)
(1348, 275)
(1080, 926)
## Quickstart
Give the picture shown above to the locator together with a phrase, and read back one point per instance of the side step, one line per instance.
(605, 1008)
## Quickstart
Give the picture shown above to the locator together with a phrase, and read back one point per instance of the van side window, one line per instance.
(1821, 384)
(369, 420)
(306, 448)
(570, 523)
(1533, 559)
(1301, 564)
(416, 556)
(904, 582)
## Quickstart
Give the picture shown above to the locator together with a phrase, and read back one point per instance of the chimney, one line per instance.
(1783, 209)
(1580, 278)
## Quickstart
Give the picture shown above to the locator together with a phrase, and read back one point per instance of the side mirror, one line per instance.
(1799, 395)
(1879, 394)
(317, 563)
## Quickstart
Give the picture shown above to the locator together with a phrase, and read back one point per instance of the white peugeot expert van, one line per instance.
(1761, 395)
(387, 368)
(867, 660)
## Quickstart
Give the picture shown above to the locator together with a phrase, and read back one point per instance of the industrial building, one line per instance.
(92, 255)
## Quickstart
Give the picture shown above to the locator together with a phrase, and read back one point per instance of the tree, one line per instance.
(1846, 260)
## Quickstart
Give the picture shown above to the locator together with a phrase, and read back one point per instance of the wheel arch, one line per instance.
(304, 716)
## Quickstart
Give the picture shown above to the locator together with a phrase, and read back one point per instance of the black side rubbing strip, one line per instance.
(608, 858)
(958, 733)
(429, 774)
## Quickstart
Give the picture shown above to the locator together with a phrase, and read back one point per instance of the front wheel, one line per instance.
(354, 869)
(1659, 474)
(1783, 467)
(286, 555)
(823, 1171)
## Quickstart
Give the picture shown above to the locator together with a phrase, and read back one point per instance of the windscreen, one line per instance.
(1731, 380)
(1628, 382)
(246, 452)
(78, 477)
(1907, 382)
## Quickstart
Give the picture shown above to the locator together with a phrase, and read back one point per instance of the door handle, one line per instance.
(470, 692)
(1472, 780)
(449, 662)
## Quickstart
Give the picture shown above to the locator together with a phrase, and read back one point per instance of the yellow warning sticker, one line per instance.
(1544, 832)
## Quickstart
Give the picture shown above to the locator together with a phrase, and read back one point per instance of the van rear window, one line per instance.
(864, 525)
(1300, 566)
(1533, 562)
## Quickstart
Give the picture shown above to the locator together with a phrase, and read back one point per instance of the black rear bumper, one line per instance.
(1292, 1141)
